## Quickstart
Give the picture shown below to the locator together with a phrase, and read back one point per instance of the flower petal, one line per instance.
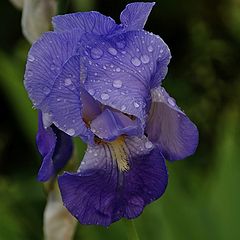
(36, 17)
(111, 124)
(45, 60)
(120, 71)
(102, 192)
(170, 128)
(65, 102)
(135, 15)
(85, 22)
(55, 148)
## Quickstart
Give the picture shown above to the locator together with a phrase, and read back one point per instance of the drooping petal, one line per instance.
(45, 60)
(114, 181)
(170, 128)
(55, 147)
(65, 102)
(111, 124)
(85, 22)
(135, 15)
(120, 71)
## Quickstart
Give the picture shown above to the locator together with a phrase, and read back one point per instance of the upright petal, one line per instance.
(112, 124)
(85, 22)
(170, 128)
(114, 181)
(121, 70)
(135, 15)
(45, 60)
(55, 147)
(65, 102)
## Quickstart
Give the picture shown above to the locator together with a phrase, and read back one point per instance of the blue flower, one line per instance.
(101, 81)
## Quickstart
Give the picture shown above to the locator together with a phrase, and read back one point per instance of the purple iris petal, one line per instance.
(135, 15)
(65, 102)
(120, 70)
(86, 22)
(111, 124)
(55, 147)
(170, 128)
(45, 60)
(101, 193)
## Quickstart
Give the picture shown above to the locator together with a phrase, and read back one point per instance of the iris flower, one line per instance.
(101, 81)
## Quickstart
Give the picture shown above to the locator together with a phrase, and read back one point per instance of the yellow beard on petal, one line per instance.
(118, 151)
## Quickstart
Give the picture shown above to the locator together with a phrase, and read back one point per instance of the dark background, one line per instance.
(202, 199)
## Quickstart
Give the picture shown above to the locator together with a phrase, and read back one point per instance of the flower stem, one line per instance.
(62, 6)
(131, 230)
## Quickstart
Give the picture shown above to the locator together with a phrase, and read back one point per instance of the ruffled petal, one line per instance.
(45, 60)
(55, 147)
(65, 102)
(170, 128)
(111, 124)
(135, 15)
(105, 189)
(121, 70)
(86, 22)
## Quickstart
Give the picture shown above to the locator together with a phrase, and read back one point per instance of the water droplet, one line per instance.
(46, 90)
(161, 51)
(117, 83)
(112, 51)
(136, 62)
(136, 105)
(67, 81)
(30, 73)
(58, 99)
(95, 154)
(120, 44)
(145, 59)
(104, 67)
(118, 69)
(91, 92)
(52, 67)
(123, 108)
(171, 101)
(104, 96)
(95, 74)
(96, 53)
(148, 145)
(150, 48)
(31, 58)
(70, 131)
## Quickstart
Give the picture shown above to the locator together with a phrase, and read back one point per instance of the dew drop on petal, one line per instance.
(135, 61)
(148, 145)
(120, 44)
(52, 67)
(145, 59)
(118, 69)
(104, 96)
(150, 48)
(91, 92)
(30, 73)
(171, 101)
(31, 58)
(46, 90)
(96, 53)
(123, 108)
(117, 83)
(70, 131)
(112, 51)
(136, 105)
(67, 82)
(95, 154)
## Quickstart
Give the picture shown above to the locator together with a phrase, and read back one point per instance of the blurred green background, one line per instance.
(202, 200)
